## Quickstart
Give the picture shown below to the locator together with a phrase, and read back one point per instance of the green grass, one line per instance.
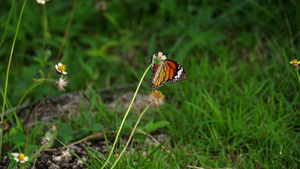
(238, 107)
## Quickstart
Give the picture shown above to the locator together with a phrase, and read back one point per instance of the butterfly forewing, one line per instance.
(175, 71)
(158, 76)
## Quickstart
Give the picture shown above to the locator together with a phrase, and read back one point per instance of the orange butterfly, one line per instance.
(166, 71)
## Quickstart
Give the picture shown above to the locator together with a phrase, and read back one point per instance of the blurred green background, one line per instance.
(110, 42)
(240, 87)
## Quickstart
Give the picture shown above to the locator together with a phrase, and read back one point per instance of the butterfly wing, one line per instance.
(174, 71)
(166, 71)
(151, 61)
(159, 76)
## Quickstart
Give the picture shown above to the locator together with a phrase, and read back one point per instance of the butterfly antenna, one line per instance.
(171, 54)
(160, 49)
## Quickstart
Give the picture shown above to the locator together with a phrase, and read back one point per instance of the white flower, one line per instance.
(161, 56)
(295, 62)
(61, 83)
(19, 157)
(60, 68)
(41, 1)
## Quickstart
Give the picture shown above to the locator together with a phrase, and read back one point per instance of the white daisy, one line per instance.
(41, 1)
(60, 68)
(19, 157)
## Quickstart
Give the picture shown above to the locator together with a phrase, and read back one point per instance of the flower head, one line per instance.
(3, 125)
(61, 83)
(20, 157)
(159, 58)
(49, 137)
(60, 68)
(41, 1)
(101, 5)
(295, 63)
(156, 98)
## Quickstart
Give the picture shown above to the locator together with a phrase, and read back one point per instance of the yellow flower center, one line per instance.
(62, 68)
(21, 157)
(295, 62)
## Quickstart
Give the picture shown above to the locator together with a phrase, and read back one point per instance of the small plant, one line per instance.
(163, 71)
(295, 63)
(31, 152)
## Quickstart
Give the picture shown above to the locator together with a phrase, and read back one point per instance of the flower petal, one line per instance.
(15, 154)
(17, 160)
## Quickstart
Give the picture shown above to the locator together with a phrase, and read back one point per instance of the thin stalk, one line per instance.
(7, 22)
(133, 130)
(126, 114)
(44, 25)
(27, 133)
(7, 73)
(63, 43)
(36, 153)
(298, 76)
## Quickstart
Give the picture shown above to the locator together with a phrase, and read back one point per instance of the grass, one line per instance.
(238, 106)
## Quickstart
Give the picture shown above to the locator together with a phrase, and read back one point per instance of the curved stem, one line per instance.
(63, 43)
(7, 73)
(126, 114)
(133, 130)
(6, 26)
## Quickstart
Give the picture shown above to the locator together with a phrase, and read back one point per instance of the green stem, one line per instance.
(27, 133)
(63, 43)
(126, 114)
(8, 19)
(44, 25)
(133, 130)
(37, 152)
(298, 76)
(7, 73)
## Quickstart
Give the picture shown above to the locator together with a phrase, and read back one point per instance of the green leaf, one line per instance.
(153, 127)
(65, 133)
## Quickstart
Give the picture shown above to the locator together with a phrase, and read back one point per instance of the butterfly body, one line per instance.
(165, 71)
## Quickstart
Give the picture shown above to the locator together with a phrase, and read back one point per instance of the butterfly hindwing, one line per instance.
(175, 71)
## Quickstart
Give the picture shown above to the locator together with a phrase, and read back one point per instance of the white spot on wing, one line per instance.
(179, 73)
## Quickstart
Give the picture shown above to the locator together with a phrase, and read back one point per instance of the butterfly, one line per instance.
(166, 71)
